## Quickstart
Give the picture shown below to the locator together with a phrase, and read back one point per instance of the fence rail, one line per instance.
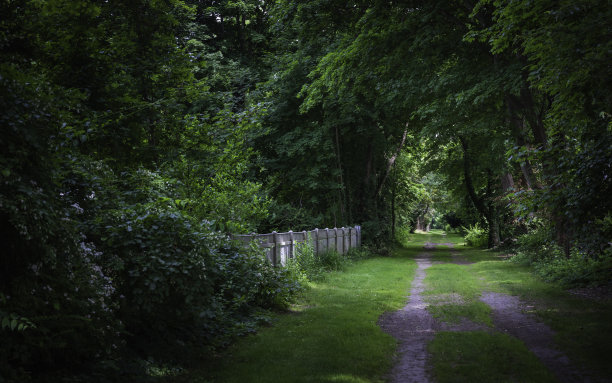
(280, 247)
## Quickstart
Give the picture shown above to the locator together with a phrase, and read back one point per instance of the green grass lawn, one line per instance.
(331, 334)
(478, 356)
(583, 327)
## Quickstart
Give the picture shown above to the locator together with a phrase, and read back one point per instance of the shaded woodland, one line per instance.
(136, 135)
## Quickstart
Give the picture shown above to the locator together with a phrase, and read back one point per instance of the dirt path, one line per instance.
(539, 338)
(414, 327)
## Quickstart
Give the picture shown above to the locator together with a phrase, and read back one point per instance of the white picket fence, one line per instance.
(280, 247)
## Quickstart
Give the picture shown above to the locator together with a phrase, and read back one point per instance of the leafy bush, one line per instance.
(538, 249)
(577, 270)
(116, 264)
(452, 230)
(361, 252)
(306, 265)
(476, 236)
(403, 235)
(178, 281)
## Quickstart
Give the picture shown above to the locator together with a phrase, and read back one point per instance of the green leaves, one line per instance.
(14, 322)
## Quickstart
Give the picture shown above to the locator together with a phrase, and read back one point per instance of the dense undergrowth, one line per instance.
(548, 260)
(106, 274)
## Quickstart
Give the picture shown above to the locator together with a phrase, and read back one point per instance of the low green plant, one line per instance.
(357, 253)
(306, 265)
(475, 236)
(538, 250)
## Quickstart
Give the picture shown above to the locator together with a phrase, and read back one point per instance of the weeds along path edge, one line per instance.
(331, 335)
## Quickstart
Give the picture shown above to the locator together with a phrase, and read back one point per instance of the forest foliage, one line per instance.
(137, 135)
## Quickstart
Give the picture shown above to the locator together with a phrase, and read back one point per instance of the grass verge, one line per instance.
(583, 326)
(331, 336)
(477, 356)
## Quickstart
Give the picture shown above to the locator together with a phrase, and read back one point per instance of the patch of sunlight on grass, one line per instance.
(476, 311)
(450, 280)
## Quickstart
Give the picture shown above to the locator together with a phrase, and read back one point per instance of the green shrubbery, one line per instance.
(124, 274)
(539, 250)
(452, 230)
(403, 235)
(308, 266)
(475, 236)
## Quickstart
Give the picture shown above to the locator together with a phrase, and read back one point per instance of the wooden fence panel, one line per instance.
(280, 247)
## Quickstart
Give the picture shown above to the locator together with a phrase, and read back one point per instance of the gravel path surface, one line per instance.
(414, 327)
(538, 337)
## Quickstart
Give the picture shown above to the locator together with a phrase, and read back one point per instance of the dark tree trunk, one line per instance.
(492, 214)
(477, 201)
(517, 123)
(391, 161)
(487, 210)
(393, 193)
(342, 191)
(507, 182)
(494, 238)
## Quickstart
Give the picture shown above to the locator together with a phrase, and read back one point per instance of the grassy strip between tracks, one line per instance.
(583, 326)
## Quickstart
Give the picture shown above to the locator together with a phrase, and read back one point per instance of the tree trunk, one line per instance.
(342, 196)
(507, 182)
(478, 203)
(518, 127)
(488, 211)
(391, 161)
(492, 216)
(393, 193)
(494, 238)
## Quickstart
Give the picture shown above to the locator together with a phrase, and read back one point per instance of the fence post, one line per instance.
(347, 246)
(275, 251)
(305, 238)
